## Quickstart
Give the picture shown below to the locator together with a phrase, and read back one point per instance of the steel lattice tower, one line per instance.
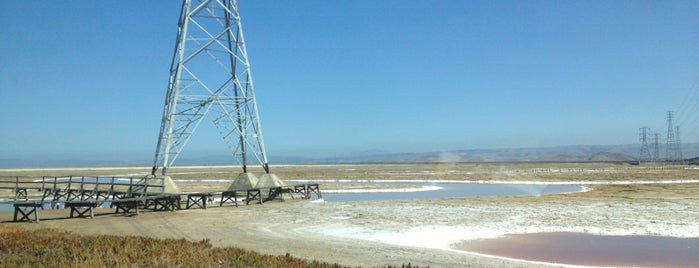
(644, 134)
(671, 145)
(656, 147)
(210, 77)
(678, 145)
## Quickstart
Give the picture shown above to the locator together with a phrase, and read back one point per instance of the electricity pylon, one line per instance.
(678, 145)
(671, 145)
(656, 147)
(210, 76)
(644, 135)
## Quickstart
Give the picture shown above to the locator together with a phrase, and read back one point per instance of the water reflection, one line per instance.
(449, 190)
(591, 250)
(394, 190)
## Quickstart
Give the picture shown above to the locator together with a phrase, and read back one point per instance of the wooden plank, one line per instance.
(229, 196)
(169, 202)
(26, 209)
(301, 189)
(253, 194)
(198, 199)
(127, 205)
(21, 193)
(81, 208)
(274, 192)
(313, 188)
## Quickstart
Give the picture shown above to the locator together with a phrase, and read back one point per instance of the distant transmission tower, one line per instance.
(656, 147)
(678, 145)
(671, 146)
(644, 135)
(210, 76)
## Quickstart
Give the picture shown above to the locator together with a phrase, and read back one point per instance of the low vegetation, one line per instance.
(52, 248)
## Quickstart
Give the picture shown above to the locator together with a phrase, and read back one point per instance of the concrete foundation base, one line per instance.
(244, 181)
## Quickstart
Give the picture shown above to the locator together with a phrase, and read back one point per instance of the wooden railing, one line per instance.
(77, 188)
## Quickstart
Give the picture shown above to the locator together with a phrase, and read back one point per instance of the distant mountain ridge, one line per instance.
(573, 153)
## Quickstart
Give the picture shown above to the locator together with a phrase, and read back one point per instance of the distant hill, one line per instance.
(574, 153)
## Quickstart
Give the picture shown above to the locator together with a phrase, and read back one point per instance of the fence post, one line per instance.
(16, 186)
(111, 188)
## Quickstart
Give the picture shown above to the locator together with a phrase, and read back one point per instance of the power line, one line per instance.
(690, 103)
(643, 134)
(688, 112)
(656, 147)
(671, 145)
(678, 152)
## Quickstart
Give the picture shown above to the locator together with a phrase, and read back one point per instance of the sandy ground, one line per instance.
(623, 199)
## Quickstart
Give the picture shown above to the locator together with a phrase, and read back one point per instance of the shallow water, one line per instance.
(591, 250)
(426, 190)
(453, 190)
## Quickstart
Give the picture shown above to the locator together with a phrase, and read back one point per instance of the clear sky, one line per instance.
(88, 78)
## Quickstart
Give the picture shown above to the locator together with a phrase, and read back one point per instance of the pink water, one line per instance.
(592, 250)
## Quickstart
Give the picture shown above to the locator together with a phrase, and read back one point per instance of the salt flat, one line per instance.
(626, 199)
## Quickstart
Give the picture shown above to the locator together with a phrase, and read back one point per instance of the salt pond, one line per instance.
(430, 190)
(419, 189)
(591, 250)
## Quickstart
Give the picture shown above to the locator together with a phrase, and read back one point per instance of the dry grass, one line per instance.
(52, 248)
(42, 247)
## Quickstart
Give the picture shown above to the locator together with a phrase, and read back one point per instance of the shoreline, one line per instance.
(621, 200)
(363, 226)
(609, 250)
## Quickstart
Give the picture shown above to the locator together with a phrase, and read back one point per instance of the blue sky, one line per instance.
(88, 78)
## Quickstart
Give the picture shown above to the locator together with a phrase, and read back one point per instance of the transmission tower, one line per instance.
(656, 147)
(644, 135)
(678, 145)
(210, 76)
(671, 146)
